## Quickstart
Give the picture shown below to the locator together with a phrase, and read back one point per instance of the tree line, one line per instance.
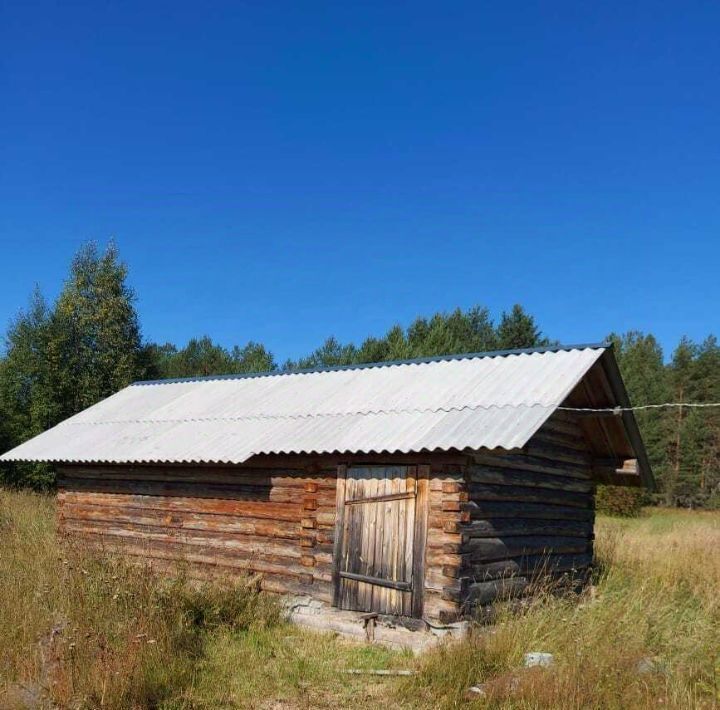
(62, 357)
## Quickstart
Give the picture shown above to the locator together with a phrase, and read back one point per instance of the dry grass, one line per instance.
(89, 631)
(646, 635)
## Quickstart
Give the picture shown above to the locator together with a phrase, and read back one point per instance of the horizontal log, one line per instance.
(495, 548)
(493, 492)
(200, 474)
(553, 437)
(449, 487)
(564, 416)
(301, 585)
(447, 521)
(530, 566)
(438, 540)
(519, 477)
(500, 527)
(452, 571)
(436, 483)
(435, 607)
(561, 421)
(326, 518)
(456, 590)
(486, 510)
(181, 489)
(232, 544)
(435, 582)
(323, 558)
(451, 506)
(482, 593)
(249, 509)
(440, 559)
(322, 591)
(176, 553)
(556, 453)
(325, 537)
(532, 463)
(179, 520)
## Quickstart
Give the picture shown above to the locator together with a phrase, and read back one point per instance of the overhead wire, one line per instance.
(639, 407)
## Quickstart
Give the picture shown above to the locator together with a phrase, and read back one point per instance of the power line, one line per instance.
(664, 405)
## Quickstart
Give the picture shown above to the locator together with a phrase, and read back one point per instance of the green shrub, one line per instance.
(619, 500)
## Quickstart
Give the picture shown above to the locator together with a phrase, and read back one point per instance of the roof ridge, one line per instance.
(318, 415)
(386, 363)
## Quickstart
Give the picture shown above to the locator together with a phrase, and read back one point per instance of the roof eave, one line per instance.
(615, 379)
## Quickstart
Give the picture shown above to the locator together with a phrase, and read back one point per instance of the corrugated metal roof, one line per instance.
(488, 400)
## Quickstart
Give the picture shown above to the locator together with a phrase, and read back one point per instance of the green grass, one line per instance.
(289, 667)
(87, 631)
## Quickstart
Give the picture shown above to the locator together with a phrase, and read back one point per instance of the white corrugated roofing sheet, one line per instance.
(484, 401)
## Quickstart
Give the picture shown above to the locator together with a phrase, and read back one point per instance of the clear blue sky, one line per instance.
(283, 171)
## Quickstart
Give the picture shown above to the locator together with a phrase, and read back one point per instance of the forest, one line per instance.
(60, 357)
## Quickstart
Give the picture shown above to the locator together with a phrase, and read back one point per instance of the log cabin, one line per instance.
(422, 488)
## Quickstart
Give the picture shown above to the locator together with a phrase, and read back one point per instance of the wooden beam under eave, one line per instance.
(616, 477)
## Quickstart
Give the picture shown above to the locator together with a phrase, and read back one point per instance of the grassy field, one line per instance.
(82, 632)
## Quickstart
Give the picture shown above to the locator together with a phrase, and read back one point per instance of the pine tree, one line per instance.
(680, 420)
(707, 422)
(640, 358)
(518, 329)
(330, 354)
(453, 333)
(199, 358)
(253, 357)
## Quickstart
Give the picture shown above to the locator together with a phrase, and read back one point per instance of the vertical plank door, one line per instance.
(376, 540)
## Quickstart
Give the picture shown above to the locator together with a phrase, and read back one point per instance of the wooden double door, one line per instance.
(380, 539)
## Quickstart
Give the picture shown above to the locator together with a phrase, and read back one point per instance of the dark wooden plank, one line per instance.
(422, 491)
(493, 492)
(378, 581)
(520, 477)
(532, 463)
(482, 593)
(340, 527)
(500, 527)
(380, 498)
(487, 509)
(530, 566)
(487, 549)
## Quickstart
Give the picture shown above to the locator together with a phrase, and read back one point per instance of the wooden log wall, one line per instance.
(528, 513)
(276, 523)
(444, 590)
(493, 519)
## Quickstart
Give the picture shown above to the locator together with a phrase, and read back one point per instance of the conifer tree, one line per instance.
(640, 358)
(518, 329)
